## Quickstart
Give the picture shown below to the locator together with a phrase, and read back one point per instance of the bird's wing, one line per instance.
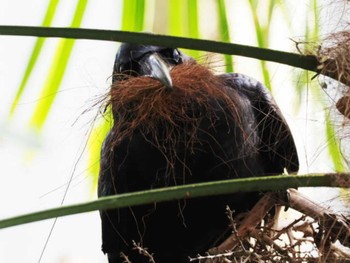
(276, 148)
(112, 220)
(105, 184)
(106, 188)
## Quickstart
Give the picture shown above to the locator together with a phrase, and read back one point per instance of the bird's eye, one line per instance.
(173, 56)
(176, 56)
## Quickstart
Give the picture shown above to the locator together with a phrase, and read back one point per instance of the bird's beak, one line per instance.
(155, 67)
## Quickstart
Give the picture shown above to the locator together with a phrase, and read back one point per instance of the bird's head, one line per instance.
(149, 61)
(140, 99)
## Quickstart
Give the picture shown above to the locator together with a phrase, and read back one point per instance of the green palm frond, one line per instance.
(56, 72)
(262, 32)
(262, 183)
(50, 13)
(224, 31)
(292, 59)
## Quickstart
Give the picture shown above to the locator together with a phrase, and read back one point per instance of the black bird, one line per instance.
(175, 123)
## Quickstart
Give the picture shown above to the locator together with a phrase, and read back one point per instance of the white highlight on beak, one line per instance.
(160, 70)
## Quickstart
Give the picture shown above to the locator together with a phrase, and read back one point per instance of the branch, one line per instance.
(338, 227)
(264, 183)
(308, 62)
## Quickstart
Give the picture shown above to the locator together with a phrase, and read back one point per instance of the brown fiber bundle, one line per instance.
(143, 103)
(333, 56)
(335, 61)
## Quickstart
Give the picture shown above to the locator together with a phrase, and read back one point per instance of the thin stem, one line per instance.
(308, 62)
(264, 183)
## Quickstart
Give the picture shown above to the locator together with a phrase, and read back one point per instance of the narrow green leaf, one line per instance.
(56, 72)
(79, 13)
(264, 183)
(193, 27)
(176, 17)
(128, 20)
(310, 33)
(133, 15)
(266, 74)
(94, 145)
(333, 146)
(224, 31)
(262, 35)
(192, 24)
(308, 62)
(300, 78)
(52, 83)
(316, 18)
(271, 7)
(139, 15)
(50, 12)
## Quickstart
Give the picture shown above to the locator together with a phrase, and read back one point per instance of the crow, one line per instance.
(175, 123)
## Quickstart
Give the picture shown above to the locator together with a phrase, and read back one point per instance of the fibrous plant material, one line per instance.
(143, 104)
(318, 235)
(333, 56)
(343, 105)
